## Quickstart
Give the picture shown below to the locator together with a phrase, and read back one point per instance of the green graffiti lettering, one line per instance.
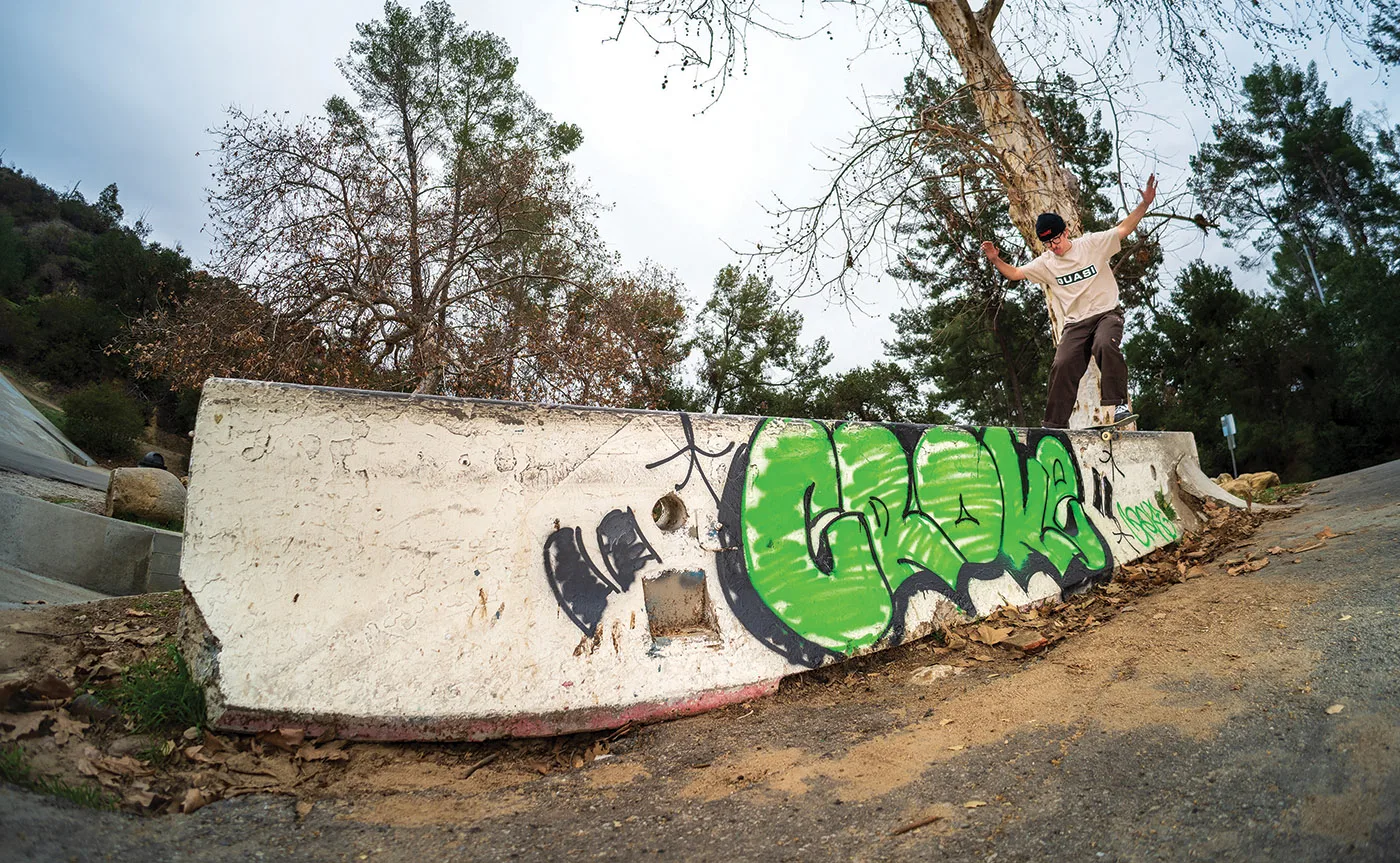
(1146, 521)
(831, 593)
(834, 522)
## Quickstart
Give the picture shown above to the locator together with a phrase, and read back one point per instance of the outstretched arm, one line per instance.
(1011, 273)
(1130, 222)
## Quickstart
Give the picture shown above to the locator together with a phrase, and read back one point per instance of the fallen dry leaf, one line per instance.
(194, 799)
(329, 752)
(286, 739)
(1335, 709)
(50, 686)
(248, 764)
(973, 804)
(123, 765)
(930, 674)
(22, 725)
(1249, 566)
(66, 728)
(989, 635)
(200, 755)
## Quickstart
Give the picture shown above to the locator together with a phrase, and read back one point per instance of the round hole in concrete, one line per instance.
(669, 512)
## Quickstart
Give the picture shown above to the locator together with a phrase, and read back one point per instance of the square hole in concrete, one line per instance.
(677, 604)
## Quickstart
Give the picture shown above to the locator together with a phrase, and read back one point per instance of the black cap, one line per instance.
(152, 459)
(1048, 225)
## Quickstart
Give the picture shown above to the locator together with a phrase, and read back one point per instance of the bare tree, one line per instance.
(435, 225)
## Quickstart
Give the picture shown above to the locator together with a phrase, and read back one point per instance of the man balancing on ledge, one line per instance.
(1081, 285)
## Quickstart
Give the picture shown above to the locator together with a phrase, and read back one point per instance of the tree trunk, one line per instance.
(1030, 173)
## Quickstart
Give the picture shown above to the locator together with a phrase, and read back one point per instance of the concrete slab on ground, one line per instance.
(546, 569)
(20, 589)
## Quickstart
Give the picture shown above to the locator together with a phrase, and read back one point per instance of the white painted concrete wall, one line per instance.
(376, 563)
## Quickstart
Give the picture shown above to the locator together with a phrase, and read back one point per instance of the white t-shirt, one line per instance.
(1081, 283)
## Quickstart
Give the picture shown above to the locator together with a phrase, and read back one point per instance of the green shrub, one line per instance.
(69, 339)
(103, 420)
(16, 331)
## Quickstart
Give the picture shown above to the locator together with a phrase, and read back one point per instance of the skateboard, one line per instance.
(1113, 431)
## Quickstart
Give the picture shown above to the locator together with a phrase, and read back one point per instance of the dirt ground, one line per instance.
(66, 650)
(1209, 702)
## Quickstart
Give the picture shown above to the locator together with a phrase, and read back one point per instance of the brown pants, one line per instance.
(1098, 337)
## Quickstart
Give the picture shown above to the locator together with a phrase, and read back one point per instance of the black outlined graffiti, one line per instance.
(694, 451)
(1103, 503)
(579, 587)
(833, 529)
(625, 550)
(1106, 457)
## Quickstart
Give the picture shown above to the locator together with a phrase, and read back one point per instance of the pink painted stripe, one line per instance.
(468, 728)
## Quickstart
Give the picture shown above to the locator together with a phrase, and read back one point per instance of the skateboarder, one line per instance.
(1081, 285)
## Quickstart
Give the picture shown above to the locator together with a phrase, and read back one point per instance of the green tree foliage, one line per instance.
(1295, 169)
(1311, 367)
(880, 392)
(132, 277)
(103, 420)
(1208, 353)
(752, 360)
(983, 343)
(68, 340)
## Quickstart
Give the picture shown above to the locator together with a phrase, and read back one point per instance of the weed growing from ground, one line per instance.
(1280, 493)
(159, 694)
(15, 769)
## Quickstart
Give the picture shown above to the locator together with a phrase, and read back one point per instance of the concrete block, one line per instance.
(103, 554)
(400, 567)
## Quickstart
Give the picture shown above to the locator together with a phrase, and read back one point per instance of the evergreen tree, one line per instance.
(983, 343)
(752, 361)
(1310, 368)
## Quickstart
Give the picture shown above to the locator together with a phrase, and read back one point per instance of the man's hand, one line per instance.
(1130, 223)
(1150, 193)
(990, 250)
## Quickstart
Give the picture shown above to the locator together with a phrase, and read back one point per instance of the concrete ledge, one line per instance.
(18, 587)
(102, 554)
(402, 567)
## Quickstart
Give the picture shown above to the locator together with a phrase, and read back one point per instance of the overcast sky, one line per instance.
(125, 92)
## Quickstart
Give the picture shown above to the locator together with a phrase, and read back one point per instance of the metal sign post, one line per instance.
(1227, 427)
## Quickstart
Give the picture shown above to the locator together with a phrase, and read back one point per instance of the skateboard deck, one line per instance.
(1113, 430)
